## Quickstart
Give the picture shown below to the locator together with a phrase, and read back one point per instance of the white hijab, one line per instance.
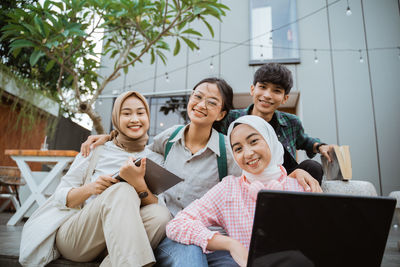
(273, 171)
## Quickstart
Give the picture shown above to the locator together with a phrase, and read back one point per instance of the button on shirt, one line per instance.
(199, 170)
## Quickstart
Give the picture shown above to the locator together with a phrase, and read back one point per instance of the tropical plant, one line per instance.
(62, 32)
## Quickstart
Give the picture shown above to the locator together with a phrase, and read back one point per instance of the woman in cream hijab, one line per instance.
(231, 203)
(103, 214)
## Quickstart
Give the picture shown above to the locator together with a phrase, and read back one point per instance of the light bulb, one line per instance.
(211, 65)
(315, 56)
(166, 77)
(115, 91)
(361, 60)
(348, 11)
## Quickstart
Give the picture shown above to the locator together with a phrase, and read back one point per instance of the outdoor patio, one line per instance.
(10, 238)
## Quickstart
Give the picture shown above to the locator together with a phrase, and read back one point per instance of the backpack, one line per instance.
(221, 160)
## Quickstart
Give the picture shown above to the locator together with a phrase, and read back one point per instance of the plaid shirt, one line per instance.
(290, 131)
(229, 205)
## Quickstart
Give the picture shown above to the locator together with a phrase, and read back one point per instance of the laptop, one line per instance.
(328, 229)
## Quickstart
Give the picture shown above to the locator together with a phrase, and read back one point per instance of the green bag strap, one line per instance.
(221, 160)
(169, 143)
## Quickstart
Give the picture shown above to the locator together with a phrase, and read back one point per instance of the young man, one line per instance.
(270, 89)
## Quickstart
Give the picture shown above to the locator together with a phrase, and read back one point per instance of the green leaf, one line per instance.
(40, 26)
(189, 43)
(153, 56)
(21, 43)
(162, 56)
(197, 10)
(58, 4)
(16, 52)
(177, 46)
(69, 79)
(50, 65)
(191, 31)
(209, 27)
(35, 56)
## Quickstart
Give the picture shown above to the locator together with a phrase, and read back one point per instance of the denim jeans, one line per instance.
(173, 254)
(221, 258)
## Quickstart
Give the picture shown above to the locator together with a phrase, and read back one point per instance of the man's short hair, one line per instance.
(274, 73)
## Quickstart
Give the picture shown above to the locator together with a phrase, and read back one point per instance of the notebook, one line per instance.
(329, 230)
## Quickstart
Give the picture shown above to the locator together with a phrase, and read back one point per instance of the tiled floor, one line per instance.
(10, 237)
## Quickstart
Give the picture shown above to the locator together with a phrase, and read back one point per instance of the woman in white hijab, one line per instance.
(231, 203)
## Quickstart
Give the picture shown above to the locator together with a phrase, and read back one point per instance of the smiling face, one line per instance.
(267, 97)
(205, 105)
(250, 149)
(133, 120)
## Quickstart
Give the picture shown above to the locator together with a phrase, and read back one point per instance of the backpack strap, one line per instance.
(92, 164)
(221, 160)
(169, 143)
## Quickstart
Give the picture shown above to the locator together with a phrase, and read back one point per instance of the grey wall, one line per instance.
(341, 100)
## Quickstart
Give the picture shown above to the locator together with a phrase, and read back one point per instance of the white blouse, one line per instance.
(109, 162)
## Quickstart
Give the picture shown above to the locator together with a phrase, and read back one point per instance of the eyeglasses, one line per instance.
(209, 102)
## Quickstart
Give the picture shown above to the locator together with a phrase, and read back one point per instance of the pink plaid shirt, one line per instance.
(228, 204)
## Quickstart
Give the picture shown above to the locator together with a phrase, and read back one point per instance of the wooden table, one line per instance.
(61, 158)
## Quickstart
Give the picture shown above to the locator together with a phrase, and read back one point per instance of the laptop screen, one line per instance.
(329, 230)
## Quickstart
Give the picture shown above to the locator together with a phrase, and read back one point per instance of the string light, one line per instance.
(348, 10)
(361, 58)
(315, 56)
(100, 102)
(270, 37)
(166, 77)
(198, 45)
(261, 55)
(114, 91)
(246, 43)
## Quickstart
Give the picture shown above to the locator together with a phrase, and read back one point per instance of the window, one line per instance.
(166, 112)
(273, 32)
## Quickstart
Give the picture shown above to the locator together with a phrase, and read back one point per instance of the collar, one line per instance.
(278, 114)
(213, 142)
(280, 118)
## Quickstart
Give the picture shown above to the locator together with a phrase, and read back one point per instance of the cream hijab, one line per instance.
(274, 170)
(118, 137)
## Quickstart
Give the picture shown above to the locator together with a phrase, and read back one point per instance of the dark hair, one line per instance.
(227, 96)
(274, 73)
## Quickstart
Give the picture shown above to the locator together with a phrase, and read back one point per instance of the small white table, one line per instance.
(61, 159)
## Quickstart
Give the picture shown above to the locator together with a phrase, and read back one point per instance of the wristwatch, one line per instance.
(143, 194)
(317, 147)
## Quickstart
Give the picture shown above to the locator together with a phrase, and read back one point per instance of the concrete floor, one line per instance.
(10, 238)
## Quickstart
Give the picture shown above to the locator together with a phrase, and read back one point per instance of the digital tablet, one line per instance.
(158, 179)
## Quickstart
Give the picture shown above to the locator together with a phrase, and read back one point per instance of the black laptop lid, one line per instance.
(330, 230)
